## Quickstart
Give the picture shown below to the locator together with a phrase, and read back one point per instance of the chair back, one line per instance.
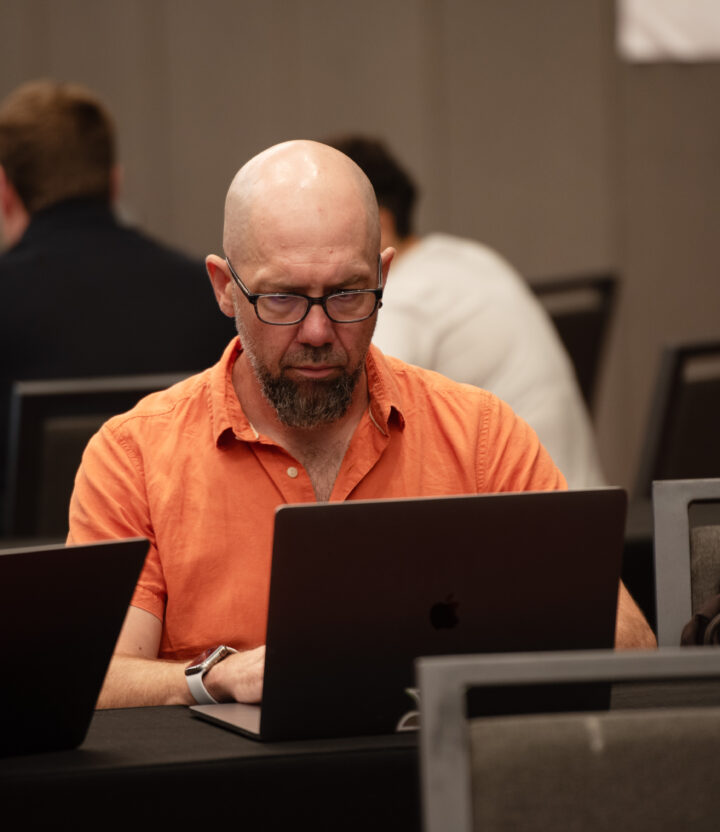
(651, 769)
(682, 440)
(581, 307)
(686, 517)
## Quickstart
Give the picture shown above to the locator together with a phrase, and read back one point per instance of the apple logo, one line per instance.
(443, 615)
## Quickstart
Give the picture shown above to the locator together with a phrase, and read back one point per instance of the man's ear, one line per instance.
(387, 258)
(388, 228)
(219, 275)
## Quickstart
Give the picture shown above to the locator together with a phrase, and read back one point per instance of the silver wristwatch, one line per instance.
(199, 666)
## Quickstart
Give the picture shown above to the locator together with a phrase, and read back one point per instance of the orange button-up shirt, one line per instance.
(187, 470)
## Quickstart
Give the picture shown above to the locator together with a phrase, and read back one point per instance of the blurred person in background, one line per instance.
(457, 307)
(80, 293)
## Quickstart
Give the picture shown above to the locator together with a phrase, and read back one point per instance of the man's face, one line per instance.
(307, 371)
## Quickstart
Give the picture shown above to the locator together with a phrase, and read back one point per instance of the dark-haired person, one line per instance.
(81, 294)
(457, 307)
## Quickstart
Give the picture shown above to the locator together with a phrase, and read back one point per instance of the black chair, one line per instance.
(682, 439)
(651, 769)
(687, 552)
(581, 307)
(50, 424)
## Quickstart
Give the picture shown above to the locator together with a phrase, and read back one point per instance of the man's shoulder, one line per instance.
(472, 424)
(413, 375)
(167, 429)
(171, 409)
(433, 390)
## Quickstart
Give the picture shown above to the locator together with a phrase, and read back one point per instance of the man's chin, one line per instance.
(310, 402)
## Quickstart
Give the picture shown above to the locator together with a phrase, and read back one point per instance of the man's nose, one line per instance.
(316, 329)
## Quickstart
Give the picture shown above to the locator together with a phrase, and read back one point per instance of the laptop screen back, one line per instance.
(61, 610)
(361, 588)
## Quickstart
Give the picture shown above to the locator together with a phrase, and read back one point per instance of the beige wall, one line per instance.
(515, 116)
(669, 166)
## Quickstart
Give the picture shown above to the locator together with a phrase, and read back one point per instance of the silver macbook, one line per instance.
(359, 589)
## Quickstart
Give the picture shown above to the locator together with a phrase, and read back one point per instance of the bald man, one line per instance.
(299, 408)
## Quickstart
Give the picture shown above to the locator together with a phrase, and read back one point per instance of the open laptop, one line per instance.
(360, 589)
(61, 610)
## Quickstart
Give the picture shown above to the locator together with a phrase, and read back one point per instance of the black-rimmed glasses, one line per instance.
(347, 306)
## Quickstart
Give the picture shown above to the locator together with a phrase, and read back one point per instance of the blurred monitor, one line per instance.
(49, 426)
(682, 439)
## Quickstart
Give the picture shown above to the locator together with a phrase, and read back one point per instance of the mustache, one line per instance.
(314, 355)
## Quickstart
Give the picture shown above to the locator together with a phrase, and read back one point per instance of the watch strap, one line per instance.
(198, 690)
(199, 667)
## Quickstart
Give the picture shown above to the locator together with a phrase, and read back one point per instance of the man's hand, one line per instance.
(238, 678)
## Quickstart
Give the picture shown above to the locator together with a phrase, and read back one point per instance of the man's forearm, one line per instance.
(631, 628)
(132, 681)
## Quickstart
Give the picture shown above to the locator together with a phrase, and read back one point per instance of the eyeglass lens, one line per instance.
(343, 307)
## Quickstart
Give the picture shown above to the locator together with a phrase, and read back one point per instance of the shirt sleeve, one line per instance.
(512, 457)
(109, 502)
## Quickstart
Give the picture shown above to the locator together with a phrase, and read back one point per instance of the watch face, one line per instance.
(196, 665)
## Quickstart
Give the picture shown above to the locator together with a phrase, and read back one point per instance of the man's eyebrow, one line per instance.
(356, 278)
(277, 285)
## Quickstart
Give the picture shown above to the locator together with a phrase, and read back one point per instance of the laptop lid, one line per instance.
(61, 610)
(361, 588)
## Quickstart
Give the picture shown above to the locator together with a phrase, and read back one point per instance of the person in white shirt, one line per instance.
(456, 306)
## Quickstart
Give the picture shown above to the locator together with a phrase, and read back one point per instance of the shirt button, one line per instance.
(292, 471)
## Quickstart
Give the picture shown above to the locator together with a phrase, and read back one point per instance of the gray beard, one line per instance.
(308, 404)
(302, 404)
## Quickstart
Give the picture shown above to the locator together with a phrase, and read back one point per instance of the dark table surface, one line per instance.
(151, 765)
(140, 767)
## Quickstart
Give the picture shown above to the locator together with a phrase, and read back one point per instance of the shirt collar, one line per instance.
(386, 402)
(228, 418)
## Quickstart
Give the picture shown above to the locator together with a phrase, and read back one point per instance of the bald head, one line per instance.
(297, 195)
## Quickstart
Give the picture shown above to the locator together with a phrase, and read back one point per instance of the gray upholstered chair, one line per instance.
(687, 551)
(653, 769)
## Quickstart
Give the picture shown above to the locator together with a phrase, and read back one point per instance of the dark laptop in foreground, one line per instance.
(61, 610)
(360, 589)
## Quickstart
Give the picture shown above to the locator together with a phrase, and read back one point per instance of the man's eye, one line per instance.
(281, 301)
(344, 297)
(350, 299)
